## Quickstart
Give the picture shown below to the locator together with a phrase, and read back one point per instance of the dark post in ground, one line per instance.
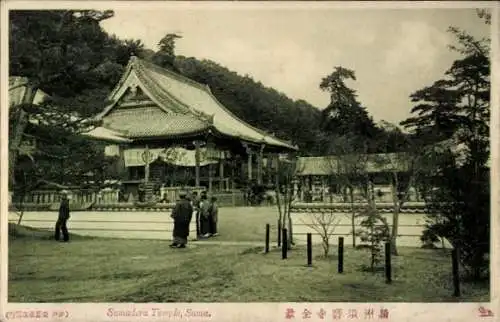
(388, 277)
(456, 279)
(267, 238)
(284, 246)
(279, 233)
(309, 249)
(341, 255)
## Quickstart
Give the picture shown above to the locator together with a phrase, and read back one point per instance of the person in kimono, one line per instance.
(214, 214)
(205, 216)
(196, 208)
(62, 219)
(182, 214)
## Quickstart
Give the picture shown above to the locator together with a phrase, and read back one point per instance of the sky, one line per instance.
(393, 52)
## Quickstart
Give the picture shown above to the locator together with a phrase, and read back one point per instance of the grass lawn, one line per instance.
(247, 223)
(117, 270)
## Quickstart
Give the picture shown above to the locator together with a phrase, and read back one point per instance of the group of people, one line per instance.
(206, 216)
(205, 210)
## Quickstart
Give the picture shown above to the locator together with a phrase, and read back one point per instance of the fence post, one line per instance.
(309, 249)
(284, 247)
(279, 233)
(267, 238)
(388, 278)
(341, 255)
(456, 277)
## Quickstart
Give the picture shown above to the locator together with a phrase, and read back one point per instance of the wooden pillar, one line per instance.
(269, 166)
(323, 186)
(302, 186)
(276, 157)
(145, 158)
(210, 157)
(259, 164)
(210, 175)
(173, 181)
(233, 166)
(249, 163)
(197, 162)
(221, 173)
(242, 168)
(122, 169)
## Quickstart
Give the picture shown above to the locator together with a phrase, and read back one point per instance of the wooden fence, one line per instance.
(108, 199)
(77, 196)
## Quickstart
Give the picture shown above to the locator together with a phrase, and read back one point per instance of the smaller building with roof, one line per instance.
(323, 176)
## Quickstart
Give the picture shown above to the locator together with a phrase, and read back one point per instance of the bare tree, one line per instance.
(285, 174)
(324, 223)
(403, 170)
(349, 170)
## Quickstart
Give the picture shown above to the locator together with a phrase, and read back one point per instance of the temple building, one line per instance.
(172, 131)
(319, 178)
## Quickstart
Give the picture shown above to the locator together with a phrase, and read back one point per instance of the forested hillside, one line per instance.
(317, 130)
(261, 106)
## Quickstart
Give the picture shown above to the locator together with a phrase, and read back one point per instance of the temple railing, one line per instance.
(383, 207)
(109, 199)
(76, 196)
(171, 194)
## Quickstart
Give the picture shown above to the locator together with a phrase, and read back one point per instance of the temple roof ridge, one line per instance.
(139, 64)
(171, 90)
(262, 132)
(168, 72)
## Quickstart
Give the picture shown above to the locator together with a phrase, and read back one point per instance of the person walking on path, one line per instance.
(205, 216)
(182, 215)
(62, 219)
(214, 214)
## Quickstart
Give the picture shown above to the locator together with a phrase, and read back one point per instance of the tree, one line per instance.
(124, 49)
(374, 231)
(59, 52)
(260, 106)
(324, 223)
(484, 14)
(344, 114)
(285, 174)
(460, 199)
(335, 85)
(403, 170)
(165, 56)
(67, 55)
(347, 167)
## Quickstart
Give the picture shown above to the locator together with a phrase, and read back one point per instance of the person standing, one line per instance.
(196, 209)
(204, 216)
(182, 214)
(62, 219)
(214, 214)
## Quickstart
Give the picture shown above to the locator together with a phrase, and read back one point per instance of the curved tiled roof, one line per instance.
(152, 122)
(106, 135)
(188, 97)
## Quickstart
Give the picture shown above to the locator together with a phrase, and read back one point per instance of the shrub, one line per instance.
(374, 232)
